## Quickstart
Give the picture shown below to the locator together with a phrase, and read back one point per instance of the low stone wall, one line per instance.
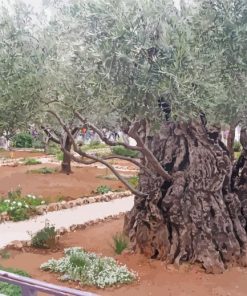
(40, 210)
(20, 245)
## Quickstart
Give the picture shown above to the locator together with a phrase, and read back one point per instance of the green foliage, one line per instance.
(89, 269)
(120, 243)
(23, 140)
(19, 207)
(93, 145)
(44, 170)
(45, 238)
(103, 189)
(8, 289)
(236, 146)
(31, 161)
(4, 254)
(134, 181)
(120, 150)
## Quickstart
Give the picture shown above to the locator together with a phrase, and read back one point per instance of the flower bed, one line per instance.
(89, 269)
(18, 207)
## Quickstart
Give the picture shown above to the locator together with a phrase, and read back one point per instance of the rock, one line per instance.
(18, 245)
(52, 207)
(62, 230)
(40, 210)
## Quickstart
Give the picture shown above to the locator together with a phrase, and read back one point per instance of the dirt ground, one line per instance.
(53, 186)
(20, 154)
(155, 277)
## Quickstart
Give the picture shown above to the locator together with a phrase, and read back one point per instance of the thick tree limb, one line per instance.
(103, 137)
(50, 135)
(92, 157)
(133, 133)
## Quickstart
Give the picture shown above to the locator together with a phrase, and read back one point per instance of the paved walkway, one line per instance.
(11, 231)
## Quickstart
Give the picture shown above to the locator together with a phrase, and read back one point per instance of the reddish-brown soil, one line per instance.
(81, 183)
(155, 278)
(20, 154)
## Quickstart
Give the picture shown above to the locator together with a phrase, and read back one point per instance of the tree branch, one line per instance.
(133, 133)
(103, 137)
(92, 157)
(50, 136)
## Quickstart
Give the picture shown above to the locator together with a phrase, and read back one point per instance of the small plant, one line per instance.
(8, 289)
(236, 146)
(93, 145)
(44, 170)
(120, 150)
(89, 269)
(23, 140)
(19, 207)
(134, 181)
(31, 161)
(120, 243)
(103, 189)
(45, 238)
(4, 254)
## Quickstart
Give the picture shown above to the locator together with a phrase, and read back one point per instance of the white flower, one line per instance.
(43, 202)
(26, 206)
(19, 204)
(33, 197)
(14, 202)
(7, 200)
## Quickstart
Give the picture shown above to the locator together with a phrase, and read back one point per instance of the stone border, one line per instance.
(56, 206)
(19, 245)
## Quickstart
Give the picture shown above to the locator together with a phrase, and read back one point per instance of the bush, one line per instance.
(89, 269)
(45, 238)
(44, 170)
(120, 150)
(120, 243)
(8, 289)
(38, 144)
(103, 189)
(19, 207)
(23, 140)
(134, 181)
(4, 254)
(31, 161)
(236, 146)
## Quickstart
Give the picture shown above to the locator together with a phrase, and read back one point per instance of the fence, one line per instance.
(30, 287)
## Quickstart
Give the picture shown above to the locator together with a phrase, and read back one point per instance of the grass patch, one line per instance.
(120, 243)
(134, 181)
(103, 189)
(4, 254)
(31, 161)
(120, 150)
(8, 289)
(19, 207)
(45, 238)
(93, 145)
(89, 269)
(107, 177)
(44, 170)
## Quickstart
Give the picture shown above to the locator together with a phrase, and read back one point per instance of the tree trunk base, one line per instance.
(197, 217)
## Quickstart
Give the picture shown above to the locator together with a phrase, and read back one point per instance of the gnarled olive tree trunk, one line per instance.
(198, 216)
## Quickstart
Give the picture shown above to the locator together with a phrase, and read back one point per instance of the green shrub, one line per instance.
(19, 207)
(59, 155)
(93, 145)
(44, 170)
(134, 181)
(103, 189)
(120, 243)
(45, 238)
(53, 148)
(236, 146)
(4, 254)
(31, 161)
(89, 269)
(120, 150)
(23, 140)
(8, 289)
(38, 144)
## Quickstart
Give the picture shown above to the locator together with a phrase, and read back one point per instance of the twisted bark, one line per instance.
(197, 216)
